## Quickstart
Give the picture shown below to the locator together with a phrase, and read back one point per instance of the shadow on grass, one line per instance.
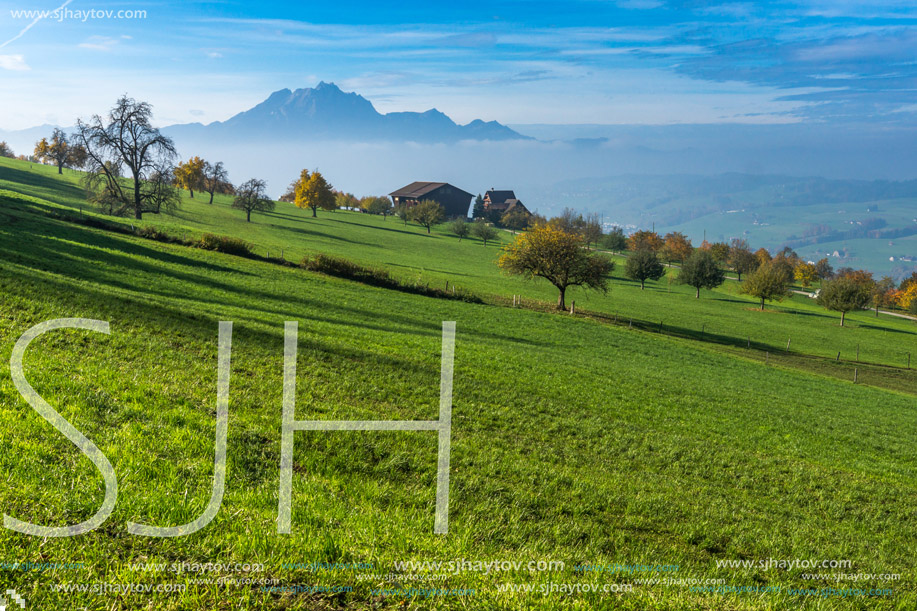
(48, 186)
(89, 255)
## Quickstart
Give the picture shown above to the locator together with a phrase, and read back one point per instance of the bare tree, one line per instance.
(125, 142)
(216, 178)
(251, 197)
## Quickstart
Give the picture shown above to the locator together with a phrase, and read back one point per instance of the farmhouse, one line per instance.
(454, 200)
(503, 202)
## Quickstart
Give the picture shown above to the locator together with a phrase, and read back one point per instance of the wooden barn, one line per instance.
(456, 201)
(502, 202)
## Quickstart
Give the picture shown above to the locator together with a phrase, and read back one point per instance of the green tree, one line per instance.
(557, 256)
(403, 212)
(883, 294)
(701, 271)
(478, 211)
(5, 150)
(771, 281)
(252, 197)
(346, 200)
(377, 205)
(823, 269)
(591, 229)
(720, 252)
(314, 192)
(843, 294)
(644, 265)
(615, 240)
(516, 220)
(482, 230)
(460, 228)
(428, 213)
(741, 259)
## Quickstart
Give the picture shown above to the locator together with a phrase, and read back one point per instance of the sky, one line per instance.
(635, 62)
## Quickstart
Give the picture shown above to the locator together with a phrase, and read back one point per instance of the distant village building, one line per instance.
(502, 202)
(455, 201)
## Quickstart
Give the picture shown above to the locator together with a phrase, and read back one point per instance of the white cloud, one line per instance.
(214, 55)
(13, 62)
(99, 43)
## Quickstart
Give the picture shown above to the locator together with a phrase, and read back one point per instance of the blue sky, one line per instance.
(577, 61)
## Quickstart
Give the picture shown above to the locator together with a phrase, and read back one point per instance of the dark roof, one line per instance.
(416, 190)
(515, 204)
(500, 197)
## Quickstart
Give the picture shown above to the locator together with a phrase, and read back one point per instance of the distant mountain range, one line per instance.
(326, 112)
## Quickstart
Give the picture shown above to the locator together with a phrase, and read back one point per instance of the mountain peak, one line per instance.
(327, 111)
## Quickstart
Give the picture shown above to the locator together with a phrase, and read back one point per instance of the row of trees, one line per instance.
(201, 175)
(558, 250)
(130, 167)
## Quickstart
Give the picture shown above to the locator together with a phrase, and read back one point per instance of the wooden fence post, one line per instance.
(788, 344)
(856, 374)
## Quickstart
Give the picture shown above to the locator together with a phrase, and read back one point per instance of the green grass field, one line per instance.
(575, 439)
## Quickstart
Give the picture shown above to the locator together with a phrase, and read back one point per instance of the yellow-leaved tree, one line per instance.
(907, 297)
(806, 273)
(190, 175)
(313, 191)
(558, 256)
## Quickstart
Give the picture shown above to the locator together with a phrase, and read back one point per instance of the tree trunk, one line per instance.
(60, 168)
(138, 210)
(642, 283)
(192, 193)
(314, 212)
(843, 314)
(877, 310)
(211, 197)
(560, 299)
(697, 294)
(762, 304)
(248, 216)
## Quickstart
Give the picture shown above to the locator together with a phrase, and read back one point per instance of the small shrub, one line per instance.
(347, 269)
(225, 244)
(151, 233)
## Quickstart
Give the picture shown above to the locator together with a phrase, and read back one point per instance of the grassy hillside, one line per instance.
(409, 253)
(574, 440)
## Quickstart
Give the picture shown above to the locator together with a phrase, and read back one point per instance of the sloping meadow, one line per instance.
(573, 444)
